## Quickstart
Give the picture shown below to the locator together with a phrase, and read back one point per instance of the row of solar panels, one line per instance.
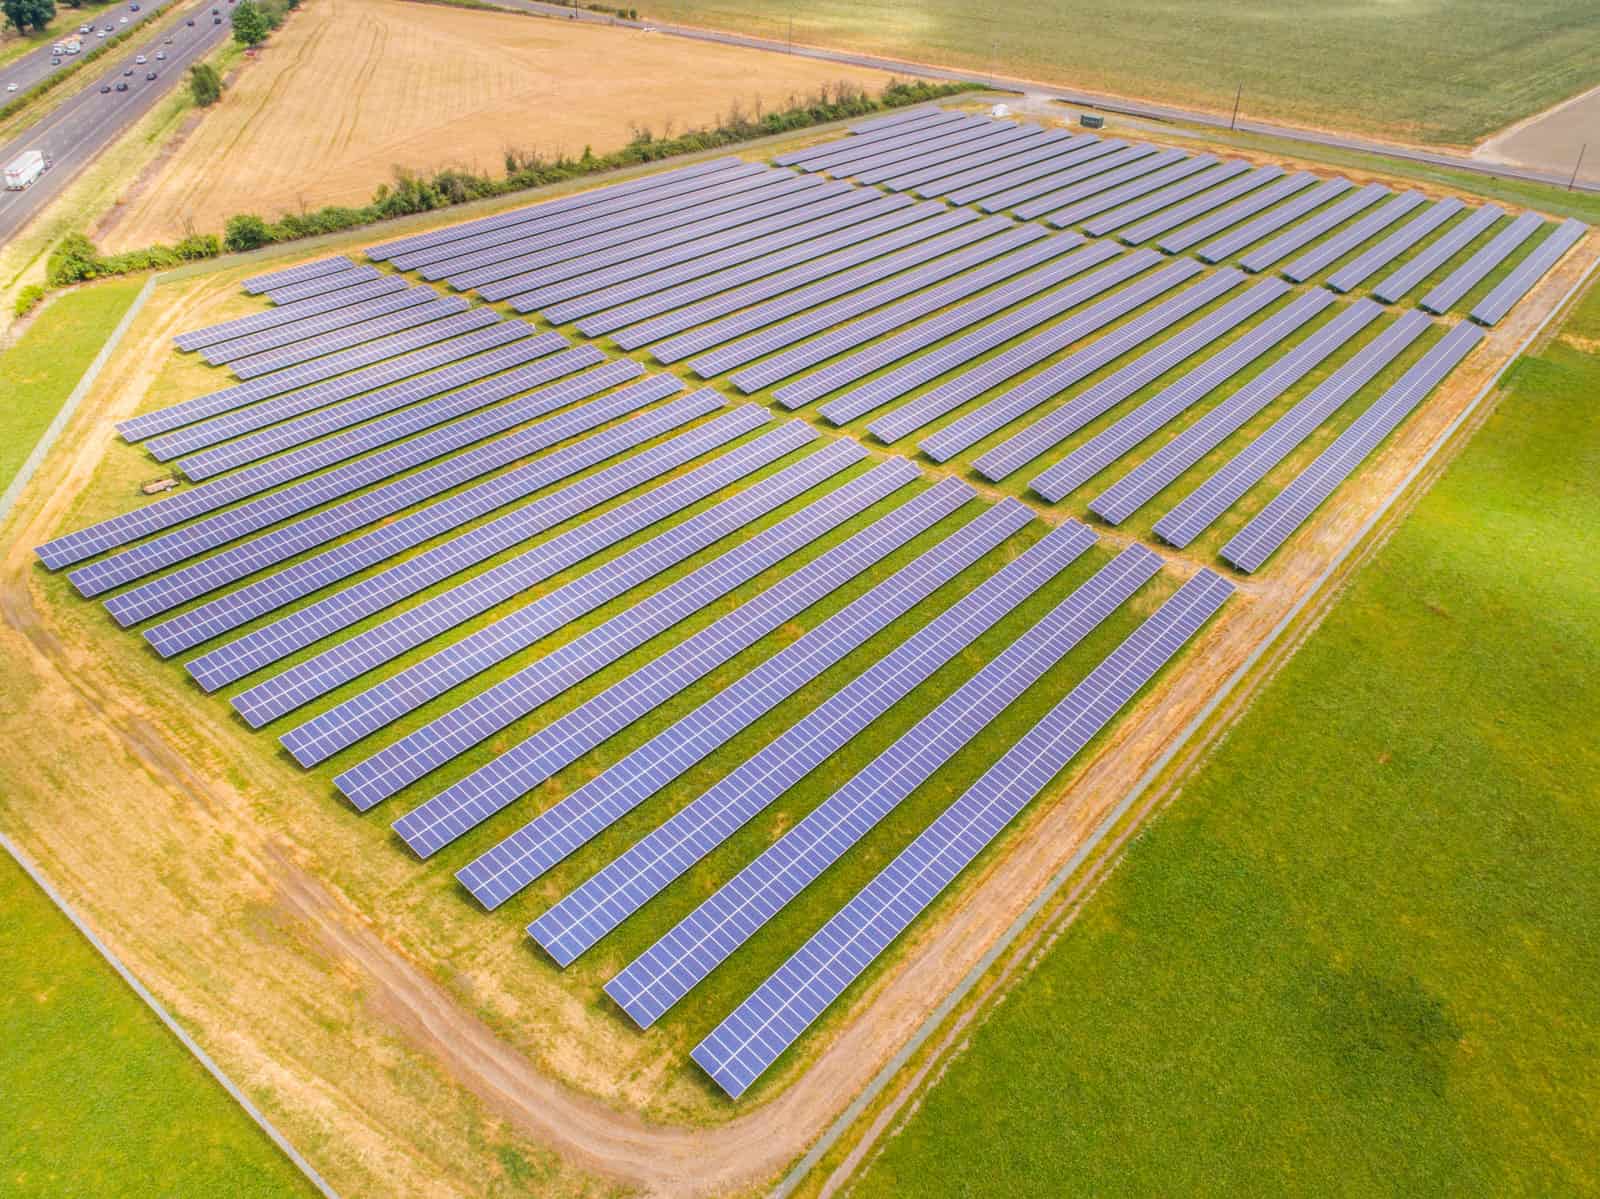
(754, 474)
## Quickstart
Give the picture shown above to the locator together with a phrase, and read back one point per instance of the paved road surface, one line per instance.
(35, 65)
(76, 132)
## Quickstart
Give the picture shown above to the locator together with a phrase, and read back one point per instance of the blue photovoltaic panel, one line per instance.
(272, 318)
(1465, 277)
(257, 284)
(862, 363)
(877, 135)
(1287, 242)
(1181, 239)
(1059, 424)
(1162, 468)
(981, 274)
(1437, 253)
(1335, 248)
(1003, 137)
(994, 159)
(1100, 205)
(150, 423)
(415, 755)
(853, 157)
(965, 231)
(918, 371)
(1396, 244)
(313, 326)
(1066, 165)
(601, 903)
(404, 631)
(415, 417)
(881, 124)
(970, 384)
(756, 1033)
(492, 788)
(1292, 506)
(349, 557)
(207, 574)
(584, 285)
(379, 705)
(1162, 198)
(1268, 222)
(937, 145)
(565, 209)
(1529, 271)
(853, 149)
(1171, 217)
(497, 875)
(1201, 507)
(1053, 145)
(1108, 446)
(1101, 182)
(670, 968)
(322, 285)
(333, 613)
(848, 308)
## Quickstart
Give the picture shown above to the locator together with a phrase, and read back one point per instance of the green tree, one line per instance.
(249, 24)
(205, 85)
(245, 231)
(28, 14)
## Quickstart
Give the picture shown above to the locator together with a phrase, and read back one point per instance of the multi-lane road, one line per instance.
(84, 125)
(35, 66)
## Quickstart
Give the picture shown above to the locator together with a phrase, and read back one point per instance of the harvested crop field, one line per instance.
(424, 86)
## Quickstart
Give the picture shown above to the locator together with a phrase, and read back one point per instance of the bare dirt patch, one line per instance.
(350, 89)
(1552, 140)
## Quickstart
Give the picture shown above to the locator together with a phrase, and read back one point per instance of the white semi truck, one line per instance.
(25, 168)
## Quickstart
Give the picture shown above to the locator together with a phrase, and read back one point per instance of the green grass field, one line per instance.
(41, 369)
(1446, 73)
(1357, 955)
(99, 1097)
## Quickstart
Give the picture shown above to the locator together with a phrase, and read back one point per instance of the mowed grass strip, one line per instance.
(1357, 955)
(100, 1099)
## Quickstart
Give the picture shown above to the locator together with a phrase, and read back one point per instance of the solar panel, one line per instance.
(582, 814)
(322, 285)
(1171, 217)
(1101, 182)
(929, 119)
(435, 309)
(1465, 277)
(349, 557)
(413, 756)
(1099, 452)
(1053, 145)
(1268, 222)
(1162, 468)
(1529, 271)
(953, 392)
(898, 118)
(1291, 507)
(853, 157)
(495, 786)
(997, 192)
(845, 310)
(345, 363)
(756, 1033)
(1181, 239)
(625, 884)
(392, 497)
(969, 230)
(1287, 242)
(986, 264)
(962, 315)
(257, 284)
(612, 195)
(992, 159)
(696, 945)
(347, 723)
(1201, 507)
(310, 327)
(1003, 137)
(1335, 248)
(1060, 423)
(271, 318)
(917, 371)
(1396, 244)
(1183, 172)
(404, 631)
(1162, 198)
(1438, 252)
(839, 152)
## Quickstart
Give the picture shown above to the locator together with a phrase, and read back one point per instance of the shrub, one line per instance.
(245, 231)
(28, 299)
(205, 85)
(73, 261)
(250, 27)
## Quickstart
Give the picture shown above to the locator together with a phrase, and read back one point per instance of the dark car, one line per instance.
(121, 87)
(190, 22)
(149, 74)
(216, 20)
(133, 8)
(105, 88)
(55, 62)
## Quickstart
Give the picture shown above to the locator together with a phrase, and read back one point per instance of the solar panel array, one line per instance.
(287, 332)
(1335, 248)
(1362, 267)
(1286, 243)
(209, 335)
(257, 284)
(1437, 253)
(325, 284)
(1465, 277)
(1529, 271)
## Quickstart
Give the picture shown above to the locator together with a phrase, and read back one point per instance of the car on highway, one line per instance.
(160, 55)
(109, 29)
(169, 41)
(85, 28)
(121, 86)
(190, 22)
(216, 20)
(139, 58)
(149, 74)
(11, 87)
(105, 89)
(128, 72)
(55, 62)
(124, 21)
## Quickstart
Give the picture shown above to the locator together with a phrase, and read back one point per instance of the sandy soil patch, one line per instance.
(1552, 140)
(349, 89)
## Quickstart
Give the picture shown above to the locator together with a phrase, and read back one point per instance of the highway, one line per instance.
(35, 65)
(77, 131)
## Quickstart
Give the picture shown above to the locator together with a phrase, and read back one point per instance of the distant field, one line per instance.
(1361, 946)
(351, 89)
(1447, 73)
(99, 1098)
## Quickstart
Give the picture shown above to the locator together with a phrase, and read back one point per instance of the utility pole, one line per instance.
(1233, 121)
(994, 63)
(1577, 167)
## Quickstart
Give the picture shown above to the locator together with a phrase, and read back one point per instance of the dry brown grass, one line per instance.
(349, 89)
